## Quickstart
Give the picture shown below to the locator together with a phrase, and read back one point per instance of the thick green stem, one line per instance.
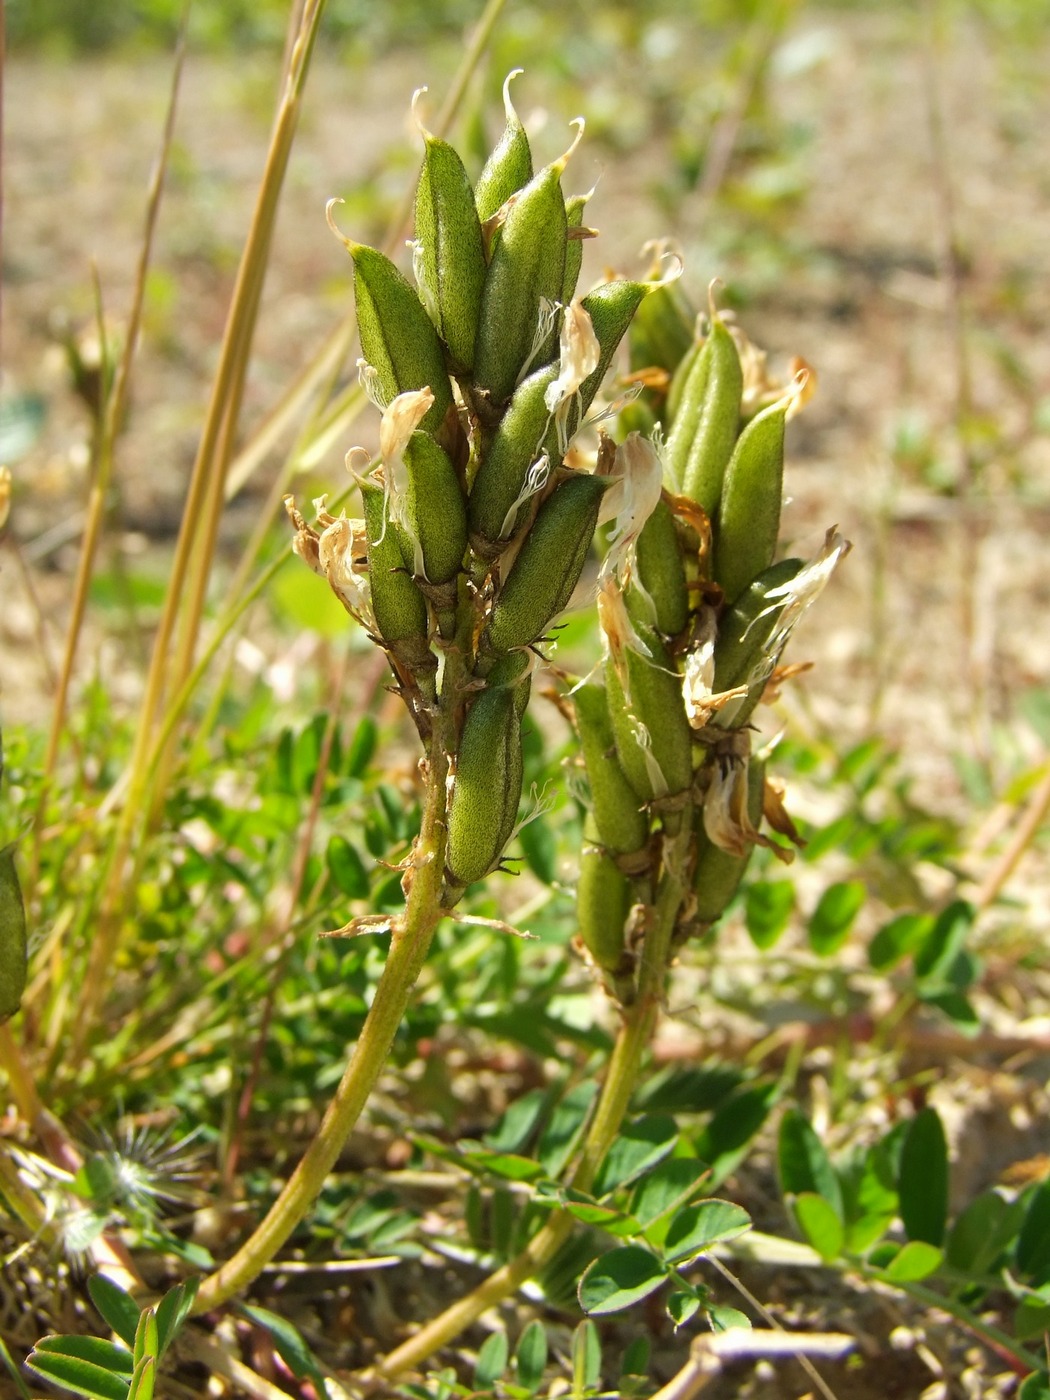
(621, 1076)
(411, 940)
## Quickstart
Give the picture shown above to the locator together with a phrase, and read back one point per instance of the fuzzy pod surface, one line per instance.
(451, 265)
(509, 166)
(527, 268)
(661, 570)
(620, 822)
(707, 421)
(658, 757)
(548, 568)
(437, 511)
(399, 607)
(748, 522)
(398, 338)
(603, 902)
(487, 786)
(516, 444)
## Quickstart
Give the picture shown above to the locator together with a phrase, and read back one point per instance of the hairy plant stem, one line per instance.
(410, 943)
(621, 1076)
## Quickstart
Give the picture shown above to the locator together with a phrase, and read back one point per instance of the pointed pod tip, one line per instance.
(428, 136)
(508, 105)
(348, 243)
(580, 124)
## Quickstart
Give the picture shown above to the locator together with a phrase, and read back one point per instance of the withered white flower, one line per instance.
(579, 353)
(726, 819)
(637, 477)
(401, 417)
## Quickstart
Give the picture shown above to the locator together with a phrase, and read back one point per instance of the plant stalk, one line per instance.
(636, 1030)
(412, 935)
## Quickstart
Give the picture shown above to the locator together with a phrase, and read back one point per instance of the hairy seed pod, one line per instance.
(398, 338)
(701, 439)
(435, 509)
(574, 207)
(748, 521)
(509, 167)
(718, 874)
(487, 786)
(676, 392)
(450, 268)
(620, 822)
(399, 607)
(527, 268)
(516, 445)
(611, 307)
(603, 902)
(548, 568)
(653, 738)
(745, 650)
(661, 571)
(662, 331)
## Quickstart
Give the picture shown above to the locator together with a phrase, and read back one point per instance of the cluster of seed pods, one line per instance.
(695, 615)
(481, 512)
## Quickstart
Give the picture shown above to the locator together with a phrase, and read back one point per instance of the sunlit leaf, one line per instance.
(619, 1279)
(923, 1181)
(913, 1261)
(767, 909)
(831, 921)
(530, 1358)
(641, 1143)
(492, 1360)
(820, 1223)
(803, 1163)
(682, 1307)
(698, 1227)
(118, 1308)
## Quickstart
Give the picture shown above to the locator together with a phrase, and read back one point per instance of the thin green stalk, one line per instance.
(412, 935)
(621, 1077)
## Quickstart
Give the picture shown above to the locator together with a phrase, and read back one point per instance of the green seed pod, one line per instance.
(398, 338)
(661, 571)
(399, 607)
(748, 521)
(548, 568)
(701, 439)
(611, 307)
(620, 822)
(527, 267)
(450, 266)
(516, 445)
(676, 388)
(574, 207)
(436, 510)
(487, 786)
(718, 874)
(745, 629)
(662, 331)
(509, 167)
(653, 738)
(603, 902)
